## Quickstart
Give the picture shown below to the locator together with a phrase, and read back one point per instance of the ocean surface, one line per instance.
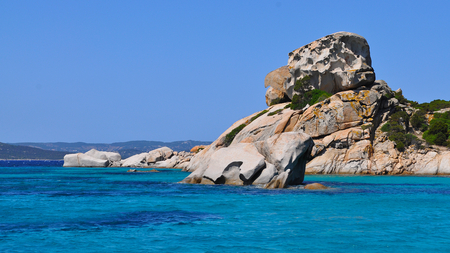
(49, 208)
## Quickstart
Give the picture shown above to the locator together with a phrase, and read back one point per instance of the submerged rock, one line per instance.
(315, 186)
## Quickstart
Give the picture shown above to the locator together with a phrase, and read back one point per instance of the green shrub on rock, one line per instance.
(434, 105)
(418, 120)
(258, 115)
(306, 96)
(230, 136)
(397, 130)
(438, 131)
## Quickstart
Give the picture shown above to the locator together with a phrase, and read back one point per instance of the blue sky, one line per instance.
(109, 71)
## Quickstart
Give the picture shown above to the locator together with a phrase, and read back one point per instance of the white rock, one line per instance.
(337, 62)
(83, 160)
(243, 156)
(138, 160)
(104, 155)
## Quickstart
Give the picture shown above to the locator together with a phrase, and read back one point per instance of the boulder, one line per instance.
(272, 159)
(275, 81)
(197, 148)
(237, 164)
(341, 111)
(83, 160)
(337, 62)
(315, 186)
(288, 151)
(139, 160)
(103, 155)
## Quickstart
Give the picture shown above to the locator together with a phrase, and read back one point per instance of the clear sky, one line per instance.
(110, 71)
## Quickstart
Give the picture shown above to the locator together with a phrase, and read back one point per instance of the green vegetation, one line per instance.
(230, 136)
(399, 96)
(306, 96)
(419, 121)
(435, 133)
(275, 101)
(258, 115)
(367, 126)
(434, 105)
(274, 112)
(438, 131)
(397, 131)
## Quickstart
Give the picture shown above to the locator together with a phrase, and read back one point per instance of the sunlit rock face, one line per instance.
(337, 62)
(265, 152)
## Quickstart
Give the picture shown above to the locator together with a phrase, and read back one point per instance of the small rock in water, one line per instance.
(135, 170)
(315, 186)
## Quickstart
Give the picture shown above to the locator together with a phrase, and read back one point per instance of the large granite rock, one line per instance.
(104, 155)
(341, 111)
(159, 158)
(275, 81)
(93, 158)
(337, 62)
(265, 152)
(83, 160)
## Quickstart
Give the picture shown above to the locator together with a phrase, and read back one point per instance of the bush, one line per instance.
(418, 119)
(438, 126)
(274, 112)
(386, 127)
(441, 139)
(230, 136)
(401, 99)
(397, 131)
(303, 84)
(438, 131)
(306, 96)
(258, 115)
(434, 105)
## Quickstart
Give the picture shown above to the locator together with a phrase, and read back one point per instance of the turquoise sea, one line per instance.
(56, 209)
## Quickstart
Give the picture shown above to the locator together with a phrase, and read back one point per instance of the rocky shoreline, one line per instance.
(341, 133)
(159, 158)
(327, 114)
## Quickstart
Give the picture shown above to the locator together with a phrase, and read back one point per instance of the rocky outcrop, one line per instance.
(265, 152)
(159, 158)
(92, 158)
(276, 92)
(337, 62)
(198, 148)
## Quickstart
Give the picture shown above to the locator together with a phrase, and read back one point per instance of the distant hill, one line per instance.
(8, 151)
(125, 149)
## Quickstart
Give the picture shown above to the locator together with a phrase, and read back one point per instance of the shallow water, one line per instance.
(55, 209)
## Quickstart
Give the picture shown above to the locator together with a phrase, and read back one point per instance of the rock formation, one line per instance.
(339, 134)
(92, 158)
(159, 158)
(265, 152)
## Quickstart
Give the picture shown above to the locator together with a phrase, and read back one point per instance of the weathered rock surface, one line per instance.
(159, 158)
(83, 160)
(337, 62)
(275, 81)
(315, 186)
(340, 134)
(92, 158)
(341, 111)
(265, 152)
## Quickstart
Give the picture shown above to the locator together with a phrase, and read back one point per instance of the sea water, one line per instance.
(56, 209)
